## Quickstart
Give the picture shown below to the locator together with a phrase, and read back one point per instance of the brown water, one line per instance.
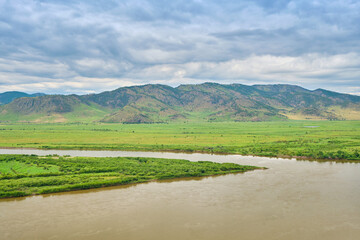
(291, 200)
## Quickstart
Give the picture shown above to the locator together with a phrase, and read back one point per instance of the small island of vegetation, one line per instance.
(23, 175)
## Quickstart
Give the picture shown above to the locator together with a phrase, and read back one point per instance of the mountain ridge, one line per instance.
(191, 102)
(7, 97)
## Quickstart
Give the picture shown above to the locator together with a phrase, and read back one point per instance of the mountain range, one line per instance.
(8, 97)
(203, 102)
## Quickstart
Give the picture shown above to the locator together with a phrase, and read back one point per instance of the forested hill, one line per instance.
(203, 102)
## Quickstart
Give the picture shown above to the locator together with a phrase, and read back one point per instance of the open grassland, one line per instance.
(22, 175)
(313, 139)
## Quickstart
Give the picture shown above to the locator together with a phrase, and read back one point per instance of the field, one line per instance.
(311, 139)
(22, 175)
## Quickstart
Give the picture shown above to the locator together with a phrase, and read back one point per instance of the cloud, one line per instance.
(311, 70)
(86, 46)
(336, 72)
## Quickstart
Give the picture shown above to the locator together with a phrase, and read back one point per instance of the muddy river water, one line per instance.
(291, 200)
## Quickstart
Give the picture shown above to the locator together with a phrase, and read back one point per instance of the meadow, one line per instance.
(303, 139)
(22, 175)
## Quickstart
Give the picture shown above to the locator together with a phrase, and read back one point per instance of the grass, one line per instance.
(331, 139)
(22, 175)
(10, 168)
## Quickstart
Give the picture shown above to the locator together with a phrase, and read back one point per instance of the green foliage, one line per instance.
(39, 175)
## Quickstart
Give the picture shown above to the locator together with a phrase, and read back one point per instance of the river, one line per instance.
(290, 200)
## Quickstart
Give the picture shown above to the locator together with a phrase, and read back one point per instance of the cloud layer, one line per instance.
(91, 46)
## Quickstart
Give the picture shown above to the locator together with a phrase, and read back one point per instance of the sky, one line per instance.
(90, 46)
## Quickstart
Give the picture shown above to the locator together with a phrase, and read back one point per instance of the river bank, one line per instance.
(329, 140)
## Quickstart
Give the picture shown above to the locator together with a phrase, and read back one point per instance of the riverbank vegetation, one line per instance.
(22, 175)
(307, 139)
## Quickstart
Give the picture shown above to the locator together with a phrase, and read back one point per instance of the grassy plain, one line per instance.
(314, 139)
(22, 175)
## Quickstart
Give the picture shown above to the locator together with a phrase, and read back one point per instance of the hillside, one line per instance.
(203, 102)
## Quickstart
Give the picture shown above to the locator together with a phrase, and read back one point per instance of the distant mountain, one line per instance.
(204, 102)
(8, 97)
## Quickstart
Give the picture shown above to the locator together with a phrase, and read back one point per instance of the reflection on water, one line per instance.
(291, 200)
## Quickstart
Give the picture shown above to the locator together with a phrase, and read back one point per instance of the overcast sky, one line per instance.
(74, 46)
